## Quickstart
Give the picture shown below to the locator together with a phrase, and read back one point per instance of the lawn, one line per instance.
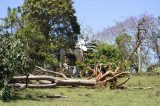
(82, 96)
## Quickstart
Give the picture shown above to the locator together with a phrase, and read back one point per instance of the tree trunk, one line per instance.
(139, 58)
(78, 82)
(55, 82)
(41, 77)
(49, 81)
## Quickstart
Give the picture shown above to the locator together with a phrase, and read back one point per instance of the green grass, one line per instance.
(96, 97)
(158, 70)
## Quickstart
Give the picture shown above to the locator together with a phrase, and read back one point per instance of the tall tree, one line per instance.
(55, 19)
(141, 29)
(48, 24)
(11, 23)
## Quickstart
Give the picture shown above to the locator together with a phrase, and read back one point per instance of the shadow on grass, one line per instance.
(33, 97)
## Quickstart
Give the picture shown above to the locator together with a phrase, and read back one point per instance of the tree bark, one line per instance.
(42, 77)
(55, 82)
(139, 58)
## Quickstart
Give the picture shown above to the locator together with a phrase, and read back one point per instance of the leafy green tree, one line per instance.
(55, 19)
(12, 22)
(47, 25)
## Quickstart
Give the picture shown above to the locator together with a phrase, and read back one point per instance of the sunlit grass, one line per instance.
(83, 96)
(158, 70)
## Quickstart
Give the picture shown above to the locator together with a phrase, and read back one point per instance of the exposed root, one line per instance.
(110, 76)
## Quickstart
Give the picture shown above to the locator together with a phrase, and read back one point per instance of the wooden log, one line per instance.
(22, 86)
(57, 82)
(44, 82)
(77, 82)
(42, 77)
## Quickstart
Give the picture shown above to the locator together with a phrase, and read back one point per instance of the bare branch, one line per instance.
(56, 73)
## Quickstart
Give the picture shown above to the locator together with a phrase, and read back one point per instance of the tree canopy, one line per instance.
(55, 19)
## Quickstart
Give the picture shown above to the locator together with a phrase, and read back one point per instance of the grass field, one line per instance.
(83, 96)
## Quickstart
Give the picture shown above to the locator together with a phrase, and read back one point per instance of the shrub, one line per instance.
(13, 61)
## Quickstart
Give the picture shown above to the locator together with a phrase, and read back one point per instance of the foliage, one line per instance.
(122, 42)
(104, 53)
(55, 19)
(7, 94)
(13, 61)
(108, 53)
(13, 55)
(145, 28)
(83, 69)
(11, 23)
(47, 24)
(38, 50)
(49, 58)
(125, 46)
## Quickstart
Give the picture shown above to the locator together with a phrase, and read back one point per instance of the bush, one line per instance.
(7, 94)
(105, 53)
(13, 60)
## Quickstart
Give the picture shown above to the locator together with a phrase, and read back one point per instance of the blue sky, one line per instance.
(101, 13)
(11, 3)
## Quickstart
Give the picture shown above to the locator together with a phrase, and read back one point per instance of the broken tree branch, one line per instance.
(42, 77)
(56, 73)
(109, 76)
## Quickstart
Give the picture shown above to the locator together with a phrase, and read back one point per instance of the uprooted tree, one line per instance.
(23, 66)
(16, 69)
(109, 77)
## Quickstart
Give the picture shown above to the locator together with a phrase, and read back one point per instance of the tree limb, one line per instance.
(56, 73)
(42, 77)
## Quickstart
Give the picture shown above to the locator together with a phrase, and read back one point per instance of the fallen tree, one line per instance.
(109, 78)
